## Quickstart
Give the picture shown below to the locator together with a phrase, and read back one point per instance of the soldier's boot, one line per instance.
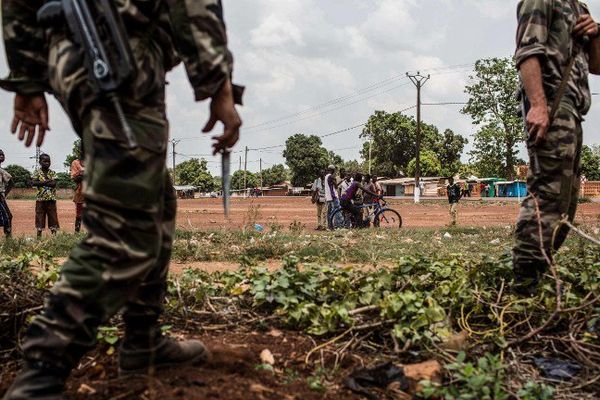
(77, 225)
(168, 352)
(527, 277)
(38, 381)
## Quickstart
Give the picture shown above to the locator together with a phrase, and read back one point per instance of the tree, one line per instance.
(355, 166)
(237, 180)
(75, 153)
(194, 172)
(306, 158)
(429, 162)
(448, 151)
(393, 143)
(590, 162)
(64, 181)
(274, 175)
(494, 108)
(217, 183)
(20, 176)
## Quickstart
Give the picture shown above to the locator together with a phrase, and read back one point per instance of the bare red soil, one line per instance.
(208, 213)
(234, 373)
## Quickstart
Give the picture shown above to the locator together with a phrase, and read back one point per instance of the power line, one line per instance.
(367, 89)
(268, 128)
(449, 103)
(372, 87)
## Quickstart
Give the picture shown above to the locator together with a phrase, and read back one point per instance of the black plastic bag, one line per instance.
(379, 376)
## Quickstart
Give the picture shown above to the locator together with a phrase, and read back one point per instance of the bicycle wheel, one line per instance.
(387, 218)
(341, 219)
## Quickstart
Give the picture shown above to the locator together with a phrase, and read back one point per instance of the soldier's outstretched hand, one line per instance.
(31, 117)
(222, 108)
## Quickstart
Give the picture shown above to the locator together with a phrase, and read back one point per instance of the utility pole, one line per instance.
(419, 81)
(261, 176)
(239, 169)
(246, 171)
(174, 143)
(36, 158)
(370, 147)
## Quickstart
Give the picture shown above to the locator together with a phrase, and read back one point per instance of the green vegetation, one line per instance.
(306, 157)
(347, 247)
(393, 137)
(409, 308)
(194, 172)
(494, 109)
(21, 176)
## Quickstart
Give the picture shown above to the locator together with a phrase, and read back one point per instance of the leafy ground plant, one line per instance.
(406, 311)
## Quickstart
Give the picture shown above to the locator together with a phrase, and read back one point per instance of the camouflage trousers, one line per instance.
(553, 186)
(122, 263)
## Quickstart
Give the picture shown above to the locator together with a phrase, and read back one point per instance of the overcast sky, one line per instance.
(320, 66)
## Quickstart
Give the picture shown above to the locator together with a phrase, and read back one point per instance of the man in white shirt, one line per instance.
(331, 196)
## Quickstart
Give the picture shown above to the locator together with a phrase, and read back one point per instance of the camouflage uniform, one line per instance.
(122, 263)
(544, 31)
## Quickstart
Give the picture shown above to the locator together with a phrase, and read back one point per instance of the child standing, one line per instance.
(6, 184)
(454, 196)
(45, 206)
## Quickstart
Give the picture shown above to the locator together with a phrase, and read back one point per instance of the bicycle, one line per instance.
(379, 215)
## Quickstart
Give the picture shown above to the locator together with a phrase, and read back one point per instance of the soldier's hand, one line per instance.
(586, 26)
(222, 108)
(538, 122)
(31, 117)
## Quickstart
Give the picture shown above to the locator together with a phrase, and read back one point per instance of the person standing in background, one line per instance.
(454, 195)
(331, 195)
(6, 184)
(44, 179)
(77, 171)
(318, 198)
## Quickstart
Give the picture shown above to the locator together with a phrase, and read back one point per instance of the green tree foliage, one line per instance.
(430, 164)
(274, 175)
(448, 150)
(306, 158)
(237, 180)
(353, 166)
(394, 138)
(64, 181)
(485, 157)
(590, 162)
(194, 172)
(20, 175)
(75, 153)
(217, 183)
(494, 108)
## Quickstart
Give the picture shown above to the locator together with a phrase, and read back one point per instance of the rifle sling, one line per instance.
(562, 89)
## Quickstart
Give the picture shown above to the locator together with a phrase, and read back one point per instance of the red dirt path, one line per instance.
(208, 213)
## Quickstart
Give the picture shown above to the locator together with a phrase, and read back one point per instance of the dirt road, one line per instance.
(208, 213)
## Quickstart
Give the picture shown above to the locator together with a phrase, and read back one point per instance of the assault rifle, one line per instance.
(97, 27)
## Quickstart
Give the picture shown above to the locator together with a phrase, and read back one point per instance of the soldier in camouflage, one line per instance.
(549, 34)
(122, 263)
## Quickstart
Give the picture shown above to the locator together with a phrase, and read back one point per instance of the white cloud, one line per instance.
(294, 54)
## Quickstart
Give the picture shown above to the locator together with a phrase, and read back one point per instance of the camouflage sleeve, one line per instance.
(26, 47)
(532, 32)
(201, 40)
